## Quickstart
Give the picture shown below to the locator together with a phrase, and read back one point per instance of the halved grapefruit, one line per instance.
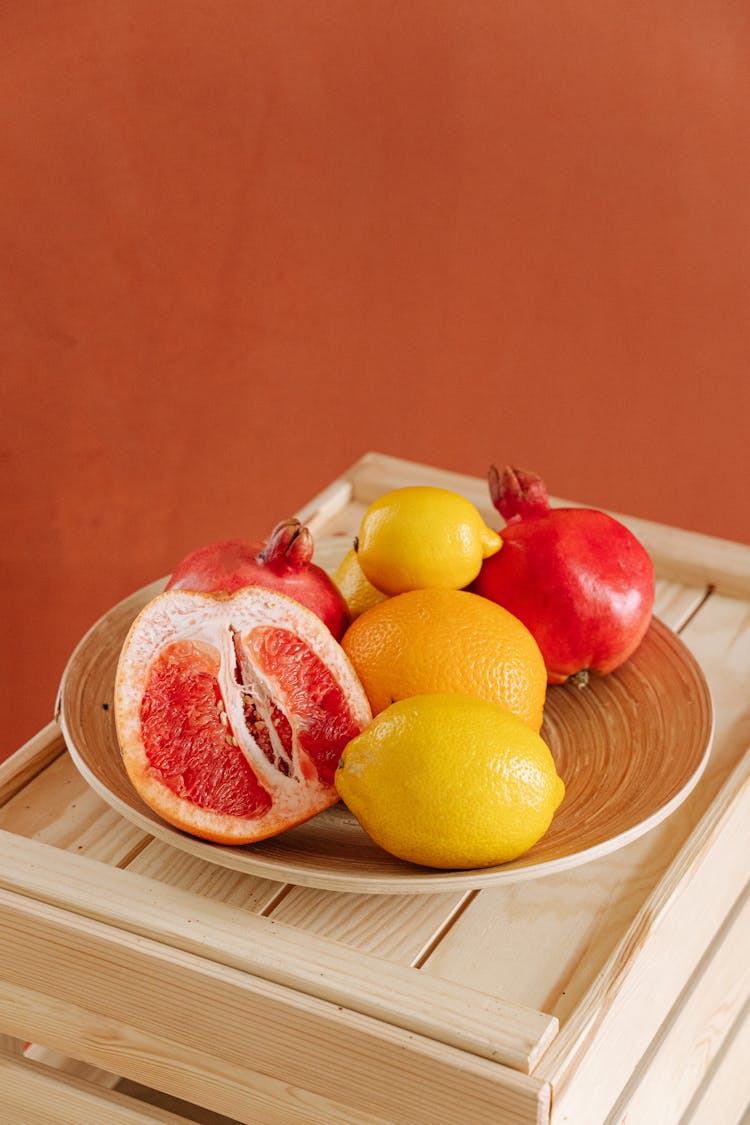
(232, 712)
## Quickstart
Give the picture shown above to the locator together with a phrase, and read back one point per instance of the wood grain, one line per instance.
(398, 928)
(173, 1008)
(674, 1067)
(29, 760)
(176, 868)
(156, 1061)
(60, 808)
(724, 1095)
(602, 1041)
(470, 1021)
(63, 1064)
(36, 1094)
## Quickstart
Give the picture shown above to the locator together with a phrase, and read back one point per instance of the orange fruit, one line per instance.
(433, 641)
(232, 712)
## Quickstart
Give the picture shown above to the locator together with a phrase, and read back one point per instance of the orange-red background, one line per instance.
(245, 242)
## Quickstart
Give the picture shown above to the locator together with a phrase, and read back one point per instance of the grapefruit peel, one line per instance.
(240, 700)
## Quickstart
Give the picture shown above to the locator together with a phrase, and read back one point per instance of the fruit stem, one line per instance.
(290, 544)
(517, 494)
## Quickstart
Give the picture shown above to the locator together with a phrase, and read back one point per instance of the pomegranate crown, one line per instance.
(290, 545)
(518, 494)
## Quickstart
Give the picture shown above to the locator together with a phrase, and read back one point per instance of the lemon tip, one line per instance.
(491, 542)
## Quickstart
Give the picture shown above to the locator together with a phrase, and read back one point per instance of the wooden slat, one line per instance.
(222, 884)
(174, 1012)
(688, 556)
(58, 807)
(396, 927)
(237, 1092)
(675, 603)
(196, 1114)
(28, 761)
(400, 996)
(709, 870)
(66, 1065)
(683, 556)
(34, 1094)
(674, 1067)
(724, 1095)
(602, 1042)
(318, 512)
(719, 636)
(331, 548)
(344, 524)
(376, 473)
(572, 921)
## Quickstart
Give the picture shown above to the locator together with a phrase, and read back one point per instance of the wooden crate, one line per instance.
(158, 987)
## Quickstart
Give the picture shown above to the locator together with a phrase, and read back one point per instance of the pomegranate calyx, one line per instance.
(290, 546)
(517, 494)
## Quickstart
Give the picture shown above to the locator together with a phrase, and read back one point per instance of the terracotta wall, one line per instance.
(244, 242)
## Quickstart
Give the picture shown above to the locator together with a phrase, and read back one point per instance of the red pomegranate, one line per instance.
(578, 579)
(284, 564)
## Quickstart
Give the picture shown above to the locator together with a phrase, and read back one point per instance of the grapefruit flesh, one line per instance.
(184, 738)
(232, 712)
(315, 697)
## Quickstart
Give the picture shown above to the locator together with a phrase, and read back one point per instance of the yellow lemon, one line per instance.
(450, 781)
(422, 536)
(429, 641)
(358, 593)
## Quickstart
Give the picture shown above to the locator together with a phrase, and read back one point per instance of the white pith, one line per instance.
(179, 615)
(262, 694)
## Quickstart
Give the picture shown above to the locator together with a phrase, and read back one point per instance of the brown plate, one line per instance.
(630, 747)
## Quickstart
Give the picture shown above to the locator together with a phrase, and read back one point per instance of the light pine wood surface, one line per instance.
(616, 991)
(41, 1095)
(724, 1094)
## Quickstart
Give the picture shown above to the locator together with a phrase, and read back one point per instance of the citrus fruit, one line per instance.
(232, 711)
(450, 781)
(428, 641)
(423, 536)
(283, 563)
(358, 593)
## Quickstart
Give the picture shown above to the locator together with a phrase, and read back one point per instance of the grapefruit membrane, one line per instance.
(232, 711)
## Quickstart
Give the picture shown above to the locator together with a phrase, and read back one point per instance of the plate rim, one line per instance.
(411, 881)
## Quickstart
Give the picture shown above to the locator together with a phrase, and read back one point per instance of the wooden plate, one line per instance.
(630, 748)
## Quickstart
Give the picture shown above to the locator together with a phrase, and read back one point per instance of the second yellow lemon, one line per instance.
(358, 593)
(428, 641)
(450, 781)
(422, 536)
